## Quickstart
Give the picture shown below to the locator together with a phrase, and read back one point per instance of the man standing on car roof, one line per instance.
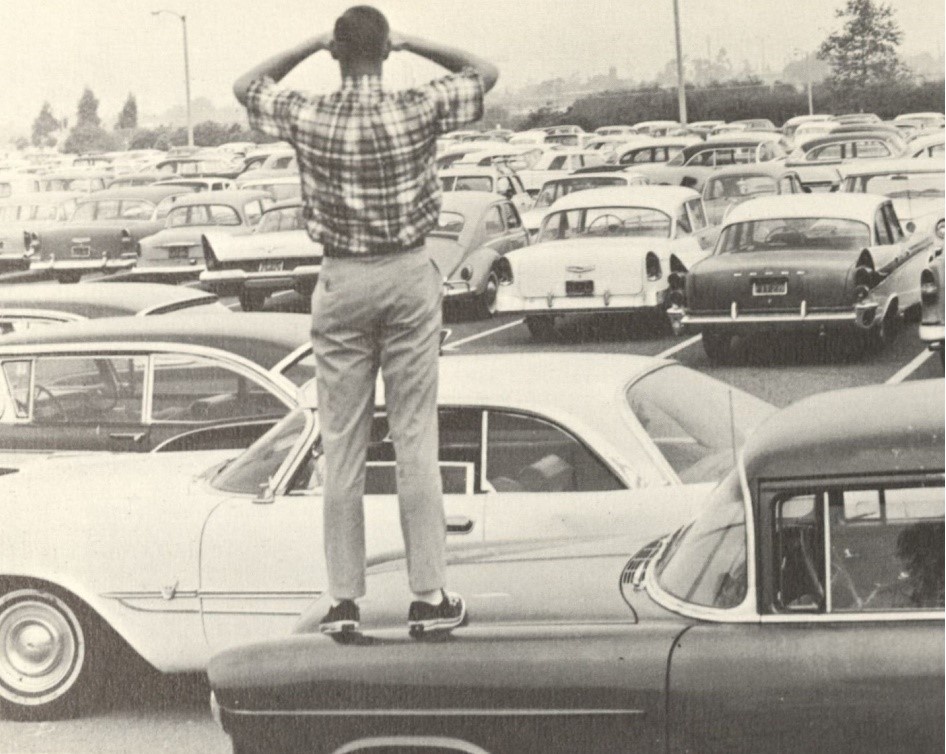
(370, 196)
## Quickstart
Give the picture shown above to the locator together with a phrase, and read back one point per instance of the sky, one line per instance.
(54, 48)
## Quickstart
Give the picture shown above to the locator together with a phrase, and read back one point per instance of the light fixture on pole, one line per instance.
(681, 91)
(187, 72)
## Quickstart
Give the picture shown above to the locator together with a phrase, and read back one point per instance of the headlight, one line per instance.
(466, 273)
(940, 229)
(929, 290)
(652, 266)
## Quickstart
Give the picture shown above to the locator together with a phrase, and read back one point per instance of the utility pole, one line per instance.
(681, 90)
(187, 73)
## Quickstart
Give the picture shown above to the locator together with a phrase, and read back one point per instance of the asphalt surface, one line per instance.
(146, 712)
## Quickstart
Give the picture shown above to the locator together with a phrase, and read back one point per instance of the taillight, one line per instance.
(126, 238)
(652, 266)
(209, 259)
(929, 290)
(863, 276)
(503, 271)
(677, 297)
(940, 229)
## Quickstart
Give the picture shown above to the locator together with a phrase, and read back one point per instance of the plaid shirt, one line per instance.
(366, 156)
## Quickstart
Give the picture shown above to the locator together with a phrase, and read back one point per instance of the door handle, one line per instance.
(133, 436)
(459, 525)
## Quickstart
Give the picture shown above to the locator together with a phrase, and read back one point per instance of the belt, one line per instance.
(392, 247)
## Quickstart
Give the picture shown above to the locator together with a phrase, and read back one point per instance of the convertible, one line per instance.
(803, 263)
(800, 610)
(521, 456)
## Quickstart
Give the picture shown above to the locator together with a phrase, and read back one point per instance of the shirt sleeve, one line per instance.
(274, 111)
(458, 99)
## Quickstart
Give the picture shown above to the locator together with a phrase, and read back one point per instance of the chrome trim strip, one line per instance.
(826, 523)
(440, 743)
(749, 319)
(855, 617)
(471, 712)
(52, 314)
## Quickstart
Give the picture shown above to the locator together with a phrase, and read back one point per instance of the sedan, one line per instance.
(36, 211)
(521, 457)
(803, 263)
(605, 251)
(800, 610)
(559, 187)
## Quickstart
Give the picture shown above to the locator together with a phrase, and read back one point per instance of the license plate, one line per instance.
(769, 287)
(579, 287)
(270, 265)
(81, 251)
(178, 252)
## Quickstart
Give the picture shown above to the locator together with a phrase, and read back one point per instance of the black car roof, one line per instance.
(262, 337)
(148, 193)
(99, 299)
(705, 146)
(833, 138)
(865, 430)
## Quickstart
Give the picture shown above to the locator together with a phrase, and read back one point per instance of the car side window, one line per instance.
(558, 163)
(697, 215)
(870, 148)
(683, 221)
(859, 549)
(18, 375)
(253, 212)
(527, 454)
(192, 389)
(510, 216)
(493, 222)
(786, 185)
(883, 232)
(828, 152)
(88, 390)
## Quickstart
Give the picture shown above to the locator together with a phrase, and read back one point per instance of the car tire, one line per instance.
(49, 651)
(880, 336)
(717, 346)
(484, 304)
(252, 301)
(542, 328)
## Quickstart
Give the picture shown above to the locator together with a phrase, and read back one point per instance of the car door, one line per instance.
(516, 236)
(262, 559)
(88, 402)
(848, 652)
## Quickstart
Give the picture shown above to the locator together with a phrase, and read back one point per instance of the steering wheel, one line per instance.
(57, 405)
(606, 218)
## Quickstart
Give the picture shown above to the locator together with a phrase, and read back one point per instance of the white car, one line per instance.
(928, 145)
(182, 555)
(605, 251)
(555, 163)
(555, 189)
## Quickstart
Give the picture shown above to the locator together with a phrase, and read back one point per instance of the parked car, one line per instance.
(605, 251)
(136, 384)
(127, 180)
(932, 145)
(803, 263)
(915, 186)
(556, 163)
(692, 164)
(522, 457)
(933, 305)
(103, 233)
(35, 211)
(817, 160)
(495, 179)
(278, 255)
(801, 609)
(856, 118)
(24, 307)
(790, 126)
(84, 181)
(198, 184)
(176, 252)
(659, 150)
(281, 188)
(926, 121)
(14, 183)
(198, 167)
(656, 127)
(732, 185)
(559, 187)
(475, 230)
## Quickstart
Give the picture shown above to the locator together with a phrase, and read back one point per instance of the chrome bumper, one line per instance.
(933, 335)
(271, 280)
(90, 265)
(457, 289)
(860, 315)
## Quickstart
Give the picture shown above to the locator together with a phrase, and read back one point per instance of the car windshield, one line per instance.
(469, 183)
(275, 220)
(599, 222)
(248, 472)
(556, 189)
(695, 421)
(449, 224)
(776, 234)
(904, 185)
(202, 214)
(739, 187)
(705, 563)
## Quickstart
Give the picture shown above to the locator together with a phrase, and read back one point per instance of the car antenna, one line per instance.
(732, 426)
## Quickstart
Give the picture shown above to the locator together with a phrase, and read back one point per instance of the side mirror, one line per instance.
(266, 495)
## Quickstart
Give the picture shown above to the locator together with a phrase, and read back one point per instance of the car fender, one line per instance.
(482, 261)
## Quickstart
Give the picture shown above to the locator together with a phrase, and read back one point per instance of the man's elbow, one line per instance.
(490, 74)
(241, 88)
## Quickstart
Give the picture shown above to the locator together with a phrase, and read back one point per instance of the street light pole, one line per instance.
(681, 91)
(187, 72)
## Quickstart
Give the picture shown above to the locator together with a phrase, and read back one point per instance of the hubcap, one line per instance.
(490, 295)
(41, 650)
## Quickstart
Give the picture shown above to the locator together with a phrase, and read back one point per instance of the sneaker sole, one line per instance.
(442, 625)
(339, 627)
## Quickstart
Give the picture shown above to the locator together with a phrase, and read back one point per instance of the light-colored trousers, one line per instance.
(370, 313)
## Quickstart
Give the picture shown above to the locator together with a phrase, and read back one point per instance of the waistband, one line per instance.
(381, 250)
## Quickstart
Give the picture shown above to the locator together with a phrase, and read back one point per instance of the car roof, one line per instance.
(874, 429)
(833, 138)
(265, 338)
(272, 179)
(613, 173)
(284, 204)
(664, 198)
(773, 168)
(896, 165)
(41, 197)
(665, 141)
(98, 299)
(228, 196)
(148, 193)
(470, 168)
(861, 207)
(926, 139)
(468, 201)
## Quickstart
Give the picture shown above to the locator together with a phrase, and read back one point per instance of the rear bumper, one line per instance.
(84, 265)
(861, 316)
(230, 282)
(933, 335)
(603, 304)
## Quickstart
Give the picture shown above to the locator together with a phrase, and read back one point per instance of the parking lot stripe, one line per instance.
(678, 347)
(456, 344)
(910, 368)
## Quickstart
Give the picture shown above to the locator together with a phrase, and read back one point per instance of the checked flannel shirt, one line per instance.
(366, 156)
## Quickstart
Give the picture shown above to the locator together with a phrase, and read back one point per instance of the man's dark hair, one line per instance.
(361, 32)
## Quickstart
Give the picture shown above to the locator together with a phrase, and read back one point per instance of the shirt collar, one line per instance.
(367, 83)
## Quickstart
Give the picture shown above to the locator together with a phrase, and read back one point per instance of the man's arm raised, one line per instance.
(279, 66)
(451, 58)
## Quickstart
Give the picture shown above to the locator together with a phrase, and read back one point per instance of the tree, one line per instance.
(128, 117)
(44, 125)
(864, 52)
(88, 112)
(88, 138)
